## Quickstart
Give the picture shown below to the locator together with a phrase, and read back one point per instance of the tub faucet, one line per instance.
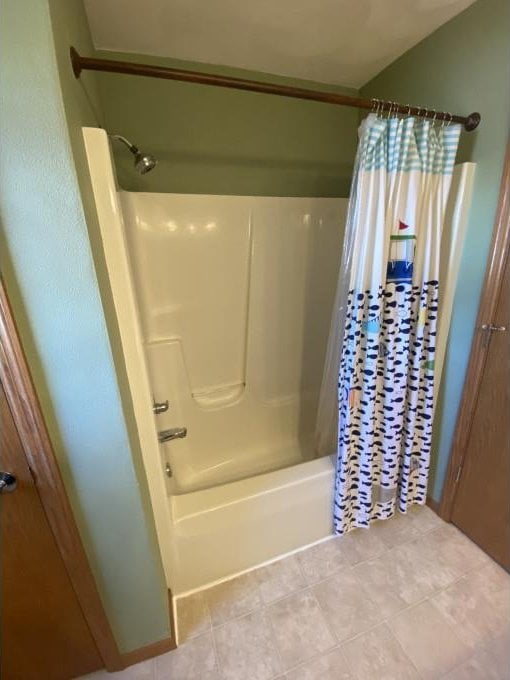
(172, 433)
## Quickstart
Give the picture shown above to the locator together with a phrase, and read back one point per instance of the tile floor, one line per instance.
(411, 598)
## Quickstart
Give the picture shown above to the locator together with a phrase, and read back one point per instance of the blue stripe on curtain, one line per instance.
(404, 145)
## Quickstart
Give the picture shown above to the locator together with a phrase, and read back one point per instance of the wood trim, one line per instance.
(433, 505)
(479, 348)
(156, 648)
(27, 414)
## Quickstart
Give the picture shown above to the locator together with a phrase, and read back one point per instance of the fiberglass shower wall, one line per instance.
(235, 296)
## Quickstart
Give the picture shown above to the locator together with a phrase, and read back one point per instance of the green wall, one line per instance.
(220, 141)
(462, 67)
(51, 279)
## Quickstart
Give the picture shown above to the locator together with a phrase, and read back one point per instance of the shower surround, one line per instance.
(224, 306)
(235, 296)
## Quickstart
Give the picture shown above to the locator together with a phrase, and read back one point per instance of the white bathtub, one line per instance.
(245, 487)
(234, 527)
(235, 297)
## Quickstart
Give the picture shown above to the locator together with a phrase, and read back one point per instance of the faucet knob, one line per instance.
(159, 407)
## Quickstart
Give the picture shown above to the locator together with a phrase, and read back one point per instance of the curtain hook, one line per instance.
(408, 113)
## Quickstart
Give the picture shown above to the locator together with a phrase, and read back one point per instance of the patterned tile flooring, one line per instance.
(410, 598)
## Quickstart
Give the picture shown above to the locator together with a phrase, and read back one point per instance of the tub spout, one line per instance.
(172, 433)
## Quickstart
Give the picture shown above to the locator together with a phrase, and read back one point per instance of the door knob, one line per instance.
(7, 482)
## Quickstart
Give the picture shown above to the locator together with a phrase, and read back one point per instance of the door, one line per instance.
(482, 499)
(44, 633)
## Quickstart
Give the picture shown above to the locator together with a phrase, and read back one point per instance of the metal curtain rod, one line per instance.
(80, 64)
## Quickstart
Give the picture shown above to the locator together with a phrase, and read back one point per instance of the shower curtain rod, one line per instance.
(80, 64)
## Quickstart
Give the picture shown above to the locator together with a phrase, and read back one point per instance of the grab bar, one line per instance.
(171, 434)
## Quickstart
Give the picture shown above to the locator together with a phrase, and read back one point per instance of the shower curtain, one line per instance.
(382, 342)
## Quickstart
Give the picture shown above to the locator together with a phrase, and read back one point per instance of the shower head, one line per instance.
(144, 162)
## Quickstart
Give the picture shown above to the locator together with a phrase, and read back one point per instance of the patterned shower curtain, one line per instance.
(386, 374)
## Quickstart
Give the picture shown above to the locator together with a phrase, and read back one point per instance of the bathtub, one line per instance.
(239, 358)
(234, 295)
(234, 527)
(223, 305)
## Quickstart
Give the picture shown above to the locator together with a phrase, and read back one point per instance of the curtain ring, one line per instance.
(445, 122)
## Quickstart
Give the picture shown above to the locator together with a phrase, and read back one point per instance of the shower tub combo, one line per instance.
(224, 306)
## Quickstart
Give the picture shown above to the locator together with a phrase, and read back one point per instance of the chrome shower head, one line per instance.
(144, 162)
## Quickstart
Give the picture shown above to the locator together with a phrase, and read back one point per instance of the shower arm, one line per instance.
(134, 149)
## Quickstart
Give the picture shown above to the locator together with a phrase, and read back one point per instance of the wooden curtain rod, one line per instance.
(80, 64)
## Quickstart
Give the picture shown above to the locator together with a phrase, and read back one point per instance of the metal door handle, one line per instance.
(7, 482)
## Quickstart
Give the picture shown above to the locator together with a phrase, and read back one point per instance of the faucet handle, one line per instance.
(159, 407)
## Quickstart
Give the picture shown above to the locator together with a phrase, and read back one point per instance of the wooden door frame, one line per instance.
(28, 418)
(498, 255)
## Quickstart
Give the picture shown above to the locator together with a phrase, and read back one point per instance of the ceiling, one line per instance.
(343, 42)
